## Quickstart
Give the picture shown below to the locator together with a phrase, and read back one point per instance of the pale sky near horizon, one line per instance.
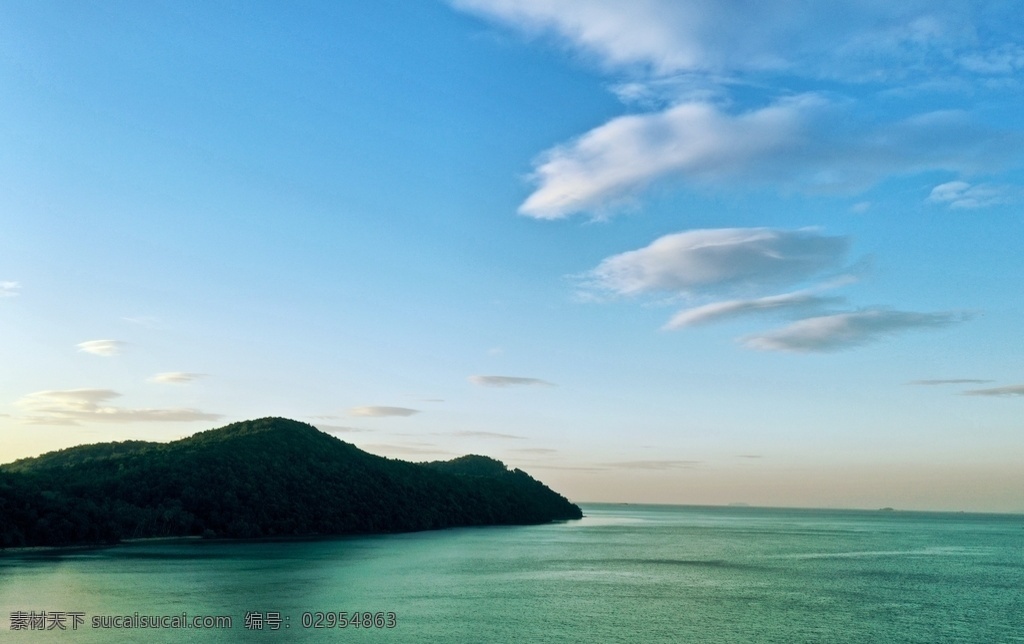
(657, 251)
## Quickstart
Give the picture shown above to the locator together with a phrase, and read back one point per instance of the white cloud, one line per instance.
(848, 39)
(717, 311)
(962, 195)
(686, 57)
(613, 161)
(104, 348)
(176, 377)
(800, 143)
(845, 330)
(9, 289)
(508, 381)
(71, 406)
(721, 258)
(374, 411)
(1012, 390)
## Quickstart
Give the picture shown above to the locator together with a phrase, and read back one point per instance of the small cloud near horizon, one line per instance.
(949, 381)
(654, 464)
(71, 406)
(476, 434)
(105, 348)
(341, 429)
(508, 381)
(1009, 391)
(373, 411)
(403, 449)
(176, 377)
(534, 450)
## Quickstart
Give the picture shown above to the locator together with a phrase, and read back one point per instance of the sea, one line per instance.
(624, 573)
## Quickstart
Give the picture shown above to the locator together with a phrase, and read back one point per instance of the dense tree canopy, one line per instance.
(271, 477)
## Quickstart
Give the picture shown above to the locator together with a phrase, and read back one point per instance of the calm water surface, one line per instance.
(625, 573)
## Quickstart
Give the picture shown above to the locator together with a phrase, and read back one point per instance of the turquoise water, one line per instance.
(623, 574)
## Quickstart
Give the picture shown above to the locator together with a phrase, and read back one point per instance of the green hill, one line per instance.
(271, 477)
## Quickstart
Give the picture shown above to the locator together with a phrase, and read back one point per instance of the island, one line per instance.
(271, 477)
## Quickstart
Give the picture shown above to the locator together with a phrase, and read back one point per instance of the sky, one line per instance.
(661, 251)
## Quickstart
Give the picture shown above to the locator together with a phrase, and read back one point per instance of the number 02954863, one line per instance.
(357, 619)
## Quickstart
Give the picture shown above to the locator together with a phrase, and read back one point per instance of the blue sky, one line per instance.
(680, 252)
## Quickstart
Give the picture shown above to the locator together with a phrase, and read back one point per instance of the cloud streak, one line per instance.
(949, 381)
(508, 381)
(653, 464)
(9, 289)
(718, 311)
(73, 406)
(341, 429)
(105, 348)
(176, 377)
(478, 434)
(372, 411)
(844, 330)
(1010, 391)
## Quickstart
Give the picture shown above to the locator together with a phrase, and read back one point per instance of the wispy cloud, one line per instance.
(176, 377)
(374, 411)
(341, 429)
(508, 381)
(476, 434)
(721, 258)
(962, 195)
(949, 381)
(143, 320)
(535, 450)
(717, 311)
(846, 330)
(9, 289)
(104, 348)
(72, 406)
(1012, 390)
(654, 465)
(414, 450)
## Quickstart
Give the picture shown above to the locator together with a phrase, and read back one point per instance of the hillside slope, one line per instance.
(259, 478)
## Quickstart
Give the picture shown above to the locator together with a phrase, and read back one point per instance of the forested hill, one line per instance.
(271, 477)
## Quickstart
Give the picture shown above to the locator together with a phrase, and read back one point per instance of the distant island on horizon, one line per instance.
(271, 477)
